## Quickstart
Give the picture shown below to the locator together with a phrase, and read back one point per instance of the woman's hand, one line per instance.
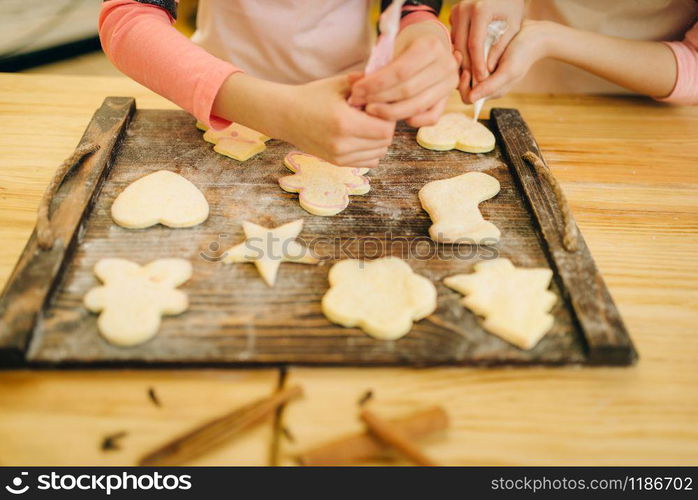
(644, 67)
(530, 45)
(469, 21)
(416, 83)
(314, 117)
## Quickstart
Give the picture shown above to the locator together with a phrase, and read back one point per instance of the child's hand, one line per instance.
(319, 121)
(314, 117)
(528, 46)
(416, 83)
(469, 21)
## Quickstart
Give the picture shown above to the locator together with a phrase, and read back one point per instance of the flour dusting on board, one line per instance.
(484, 163)
(234, 316)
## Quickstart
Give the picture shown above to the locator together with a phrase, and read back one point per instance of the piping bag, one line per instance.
(494, 31)
(389, 25)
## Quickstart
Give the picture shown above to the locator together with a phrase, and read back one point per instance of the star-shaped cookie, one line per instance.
(323, 188)
(515, 302)
(267, 248)
(236, 141)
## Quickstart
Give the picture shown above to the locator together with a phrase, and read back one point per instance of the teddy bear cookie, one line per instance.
(452, 205)
(323, 188)
(133, 298)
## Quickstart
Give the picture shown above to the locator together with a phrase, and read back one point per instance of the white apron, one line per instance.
(286, 41)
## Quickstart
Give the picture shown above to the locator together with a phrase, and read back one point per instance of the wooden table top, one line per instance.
(629, 167)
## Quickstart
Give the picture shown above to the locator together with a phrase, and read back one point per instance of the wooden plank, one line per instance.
(605, 334)
(38, 271)
(235, 318)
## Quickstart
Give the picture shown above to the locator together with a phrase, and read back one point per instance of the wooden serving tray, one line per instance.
(234, 318)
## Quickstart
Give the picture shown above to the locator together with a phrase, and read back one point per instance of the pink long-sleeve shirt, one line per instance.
(686, 53)
(285, 41)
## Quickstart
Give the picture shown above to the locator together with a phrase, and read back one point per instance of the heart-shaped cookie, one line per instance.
(163, 198)
(456, 131)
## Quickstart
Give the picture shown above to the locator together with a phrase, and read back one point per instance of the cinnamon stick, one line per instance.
(396, 439)
(365, 446)
(212, 433)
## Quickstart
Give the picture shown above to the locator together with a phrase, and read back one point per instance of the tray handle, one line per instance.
(570, 233)
(44, 232)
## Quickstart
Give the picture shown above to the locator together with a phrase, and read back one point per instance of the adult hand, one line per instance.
(531, 44)
(469, 21)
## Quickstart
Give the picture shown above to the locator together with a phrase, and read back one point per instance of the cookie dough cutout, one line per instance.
(456, 131)
(235, 141)
(515, 302)
(133, 298)
(268, 248)
(383, 297)
(323, 188)
(452, 205)
(163, 198)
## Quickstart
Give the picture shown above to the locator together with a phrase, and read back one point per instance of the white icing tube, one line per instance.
(494, 31)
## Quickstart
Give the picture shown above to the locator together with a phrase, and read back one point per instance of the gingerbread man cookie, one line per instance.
(452, 205)
(456, 131)
(132, 298)
(268, 248)
(162, 197)
(382, 297)
(515, 302)
(235, 141)
(323, 188)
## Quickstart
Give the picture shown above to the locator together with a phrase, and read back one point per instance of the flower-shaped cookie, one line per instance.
(235, 141)
(515, 302)
(323, 188)
(456, 130)
(382, 297)
(268, 248)
(161, 197)
(452, 205)
(133, 298)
